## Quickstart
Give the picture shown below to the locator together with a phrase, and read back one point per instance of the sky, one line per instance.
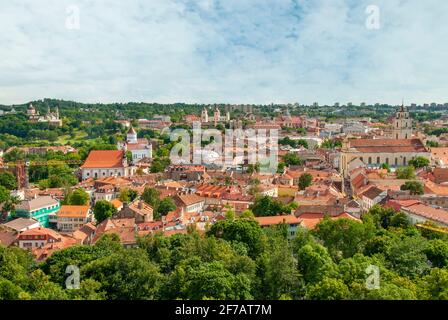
(224, 51)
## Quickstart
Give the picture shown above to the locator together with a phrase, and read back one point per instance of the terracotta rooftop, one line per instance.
(388, 145)
(428, 212)
(73, 211)
(104, 159)
(273, 220)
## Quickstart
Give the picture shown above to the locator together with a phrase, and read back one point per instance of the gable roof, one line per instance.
(388, 145)
(104, 159)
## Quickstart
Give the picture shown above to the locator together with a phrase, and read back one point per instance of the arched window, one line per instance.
(387, 160)
(370, 160)
(404, 161)
(378, 160)
(396, 161)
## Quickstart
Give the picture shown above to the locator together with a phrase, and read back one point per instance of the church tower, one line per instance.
(402, 124)
(216, 116)
(132, 136)
(204, 115)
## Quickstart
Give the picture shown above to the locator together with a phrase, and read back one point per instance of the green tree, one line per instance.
(102, 210)
(151, 196)
(79, 197)
(419, 162)
(247, 232)
(8, 180)
(415, 187)
(291, 159)
(305, 180)
(125, 275)
(405, 173)
(328, 289)
(165, 206)
(435, 285)
(267, 206)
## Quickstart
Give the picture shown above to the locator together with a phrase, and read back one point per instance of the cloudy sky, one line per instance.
(230, 51)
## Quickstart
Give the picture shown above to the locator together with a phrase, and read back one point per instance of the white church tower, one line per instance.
(402, 124)
(132, 136)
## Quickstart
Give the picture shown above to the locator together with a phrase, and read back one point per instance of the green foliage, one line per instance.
(247, 232)
(405, 173)
(415, 187)
(79, 197)
(291, 159)
(419, 162)
(305, 181)
(102, 210)
(267, 206)
(8, 180)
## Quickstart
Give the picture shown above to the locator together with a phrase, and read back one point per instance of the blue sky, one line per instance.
(230, 51)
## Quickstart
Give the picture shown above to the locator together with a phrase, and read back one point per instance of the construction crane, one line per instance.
(21, 168)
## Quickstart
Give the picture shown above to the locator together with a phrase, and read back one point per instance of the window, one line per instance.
(387, 160)
(396, 161)
(370, 160)
(404, 161)
(378, 160)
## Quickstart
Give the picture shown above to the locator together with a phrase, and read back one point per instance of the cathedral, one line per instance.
(50, 117)
(217, 118)
(395, 151)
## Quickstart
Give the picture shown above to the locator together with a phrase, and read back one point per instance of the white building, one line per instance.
(106, 163)
(140, 148)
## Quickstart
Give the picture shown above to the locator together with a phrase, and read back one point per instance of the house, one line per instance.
(189, 202)
(371, 197)
(38, 208)
(290, 220)
(419, 213)
(311, 220)
(126, 230)
(37, 237)
(106, 163)
(71, 218)
(139, 210)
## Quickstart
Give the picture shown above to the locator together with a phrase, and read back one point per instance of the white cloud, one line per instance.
(248, 51)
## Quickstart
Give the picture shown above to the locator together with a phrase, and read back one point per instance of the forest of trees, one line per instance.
(236, 259)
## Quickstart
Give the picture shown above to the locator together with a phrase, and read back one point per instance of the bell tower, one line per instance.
(402, 124)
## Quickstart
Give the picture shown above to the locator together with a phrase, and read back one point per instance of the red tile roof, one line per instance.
(388, 145)
(104, 159)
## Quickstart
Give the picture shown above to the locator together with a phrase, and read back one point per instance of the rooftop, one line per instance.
(104, 159)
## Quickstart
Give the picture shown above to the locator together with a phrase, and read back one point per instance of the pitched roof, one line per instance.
(428, 212)
(20, 224)
(372, 192)
(73, 211)
(273, 220)
(188, 199)
(37, 203)
(104, 159)
(388, 145)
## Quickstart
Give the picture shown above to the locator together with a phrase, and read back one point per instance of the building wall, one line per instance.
(42, 215)
(103, 172)
(394, 159)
